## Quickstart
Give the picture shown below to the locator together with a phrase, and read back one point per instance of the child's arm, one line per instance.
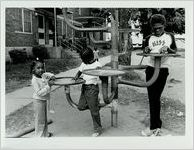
(146, 48)
(172, 48)
(48, 76)
(99, 65)
(41, 91)
(77, 75)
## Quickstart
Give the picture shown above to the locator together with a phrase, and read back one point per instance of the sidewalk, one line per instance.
(21, 97)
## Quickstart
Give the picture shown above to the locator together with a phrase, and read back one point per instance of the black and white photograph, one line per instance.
(97, 74)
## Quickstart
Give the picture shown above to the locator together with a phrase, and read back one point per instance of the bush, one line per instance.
(18, 56)
(40, 51)
(125, 59)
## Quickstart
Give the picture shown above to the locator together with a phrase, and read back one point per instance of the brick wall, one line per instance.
(14, 39)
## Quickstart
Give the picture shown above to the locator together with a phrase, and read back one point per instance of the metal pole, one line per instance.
(72, 32)
(114, 56)
(55, 19)
(114, 60)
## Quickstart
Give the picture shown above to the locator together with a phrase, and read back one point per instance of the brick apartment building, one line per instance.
(28, 27)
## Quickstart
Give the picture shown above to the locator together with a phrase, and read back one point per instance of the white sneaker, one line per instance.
(52, 111)
(148, 132)
(95, 134)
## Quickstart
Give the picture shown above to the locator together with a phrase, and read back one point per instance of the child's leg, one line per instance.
(92, 92)
(51, 105)
(40, 109)
(154, 94)
(82, 105)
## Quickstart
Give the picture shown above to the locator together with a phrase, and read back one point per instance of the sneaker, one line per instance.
(52, 111)
(148, 132)
(95, 134)
(49, 134)
(156, 132)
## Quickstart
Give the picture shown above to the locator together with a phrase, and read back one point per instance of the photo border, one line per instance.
(174, 142)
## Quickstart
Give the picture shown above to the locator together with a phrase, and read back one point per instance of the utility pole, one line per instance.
(55, 19)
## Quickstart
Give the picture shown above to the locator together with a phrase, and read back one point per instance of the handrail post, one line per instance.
(114, 60)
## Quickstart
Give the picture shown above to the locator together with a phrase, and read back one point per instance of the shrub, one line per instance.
(40, 51)
(18, 56)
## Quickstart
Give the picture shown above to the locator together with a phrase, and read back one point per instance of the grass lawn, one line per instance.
(18, 75)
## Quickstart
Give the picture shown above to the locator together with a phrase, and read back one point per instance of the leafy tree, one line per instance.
(175, 19)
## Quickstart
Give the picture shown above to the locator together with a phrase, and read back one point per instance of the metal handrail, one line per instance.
(70, 44)
(107, 99)
(157, 64)
(67, 89)
(91, 36)
(68, 97)
(64, 10)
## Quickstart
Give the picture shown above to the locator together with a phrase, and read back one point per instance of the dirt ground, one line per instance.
(133, 116)
(133, 113)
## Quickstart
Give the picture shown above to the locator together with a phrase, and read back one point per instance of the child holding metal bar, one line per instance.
(90, 90)
(41, 83)
(158, 42)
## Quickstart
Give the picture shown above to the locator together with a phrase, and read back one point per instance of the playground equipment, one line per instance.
(104, 74)
(114, 73)
(66, 82)
(114, 43)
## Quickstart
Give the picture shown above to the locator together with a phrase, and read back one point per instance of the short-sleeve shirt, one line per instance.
(155, 43)
(88, 78)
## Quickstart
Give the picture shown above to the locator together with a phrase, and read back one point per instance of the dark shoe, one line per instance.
(50, 134)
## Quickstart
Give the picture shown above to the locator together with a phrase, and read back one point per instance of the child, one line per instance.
(96, 56)
(42, 85)
(90, 90)
(158, 42)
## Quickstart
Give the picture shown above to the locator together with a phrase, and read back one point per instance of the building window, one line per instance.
(18, 20)
(23, 20)
(27, 21)
(40, 21)
(59, 27)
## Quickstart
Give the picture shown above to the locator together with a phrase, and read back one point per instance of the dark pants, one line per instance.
(154, 94)
(89, 100)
